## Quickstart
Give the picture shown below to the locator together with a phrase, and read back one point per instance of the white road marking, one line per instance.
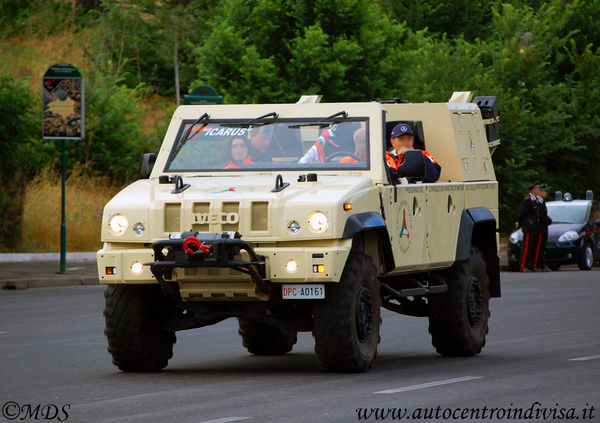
(2, 333)
(429, 385)
(226, 419)
(589, 357)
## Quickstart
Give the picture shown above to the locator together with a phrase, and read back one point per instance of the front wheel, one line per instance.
(346, 325)
(458, 320)
(586, 260)
(133, 315)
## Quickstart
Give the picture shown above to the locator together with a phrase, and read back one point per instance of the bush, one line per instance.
(22, 154)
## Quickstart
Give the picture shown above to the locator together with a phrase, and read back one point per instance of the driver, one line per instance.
(360, 146)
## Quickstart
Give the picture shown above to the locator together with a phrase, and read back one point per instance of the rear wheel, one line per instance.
(346, 326)
(262, 339)
(586, 260)
(133, 315)
(458, 321)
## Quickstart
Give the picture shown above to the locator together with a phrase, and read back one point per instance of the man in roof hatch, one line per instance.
(402, 139)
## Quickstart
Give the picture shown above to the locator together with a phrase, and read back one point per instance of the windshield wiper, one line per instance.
(274, 115)
(323, 122)
(187, 137)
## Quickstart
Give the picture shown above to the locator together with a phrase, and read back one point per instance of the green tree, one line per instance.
(114, 139)
(276, 50)
(23, 154)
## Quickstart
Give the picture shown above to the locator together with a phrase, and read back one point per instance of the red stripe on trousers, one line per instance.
(524, 259)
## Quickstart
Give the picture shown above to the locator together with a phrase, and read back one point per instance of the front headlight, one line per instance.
(118, 224)
(317, 222)
(568, 236)
(515, 237)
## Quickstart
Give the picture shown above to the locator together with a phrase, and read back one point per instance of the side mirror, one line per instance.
(413, 165)
(146, 165)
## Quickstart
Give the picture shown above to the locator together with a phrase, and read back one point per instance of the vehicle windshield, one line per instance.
(567, 212)
(287, 144)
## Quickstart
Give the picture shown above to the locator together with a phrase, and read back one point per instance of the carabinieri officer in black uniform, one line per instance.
(529, 221)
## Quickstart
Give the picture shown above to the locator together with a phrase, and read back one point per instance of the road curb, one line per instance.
(63, 280)
(24, 257)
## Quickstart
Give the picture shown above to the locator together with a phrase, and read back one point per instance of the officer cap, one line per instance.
(401, 129)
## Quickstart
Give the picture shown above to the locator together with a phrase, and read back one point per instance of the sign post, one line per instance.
(63, 119)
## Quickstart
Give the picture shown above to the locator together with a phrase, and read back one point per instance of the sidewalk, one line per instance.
(21, 271)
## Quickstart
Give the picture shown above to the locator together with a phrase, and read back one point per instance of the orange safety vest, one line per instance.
(394, 161)
(348, 159)
(232, 165)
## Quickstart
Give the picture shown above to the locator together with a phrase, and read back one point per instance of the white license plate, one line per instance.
(303, 292)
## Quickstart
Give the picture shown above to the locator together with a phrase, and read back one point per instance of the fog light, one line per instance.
(291, 266)
(137, 267)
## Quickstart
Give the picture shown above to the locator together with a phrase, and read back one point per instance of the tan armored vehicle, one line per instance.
(287, 217)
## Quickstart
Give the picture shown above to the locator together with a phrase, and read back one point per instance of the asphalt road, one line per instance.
(542, 360)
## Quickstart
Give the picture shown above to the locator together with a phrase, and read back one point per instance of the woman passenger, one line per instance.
(236, 153)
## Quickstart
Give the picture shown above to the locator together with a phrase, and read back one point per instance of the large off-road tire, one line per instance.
(262, 339)
(458, 320)
(133, 316)
(586, 260)
(346, 325)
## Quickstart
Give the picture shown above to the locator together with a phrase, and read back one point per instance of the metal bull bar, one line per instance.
(193, 249)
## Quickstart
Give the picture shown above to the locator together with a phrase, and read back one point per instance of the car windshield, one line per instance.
(287, 144)
(567, 212)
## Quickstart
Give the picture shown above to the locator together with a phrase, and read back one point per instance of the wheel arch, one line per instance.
(478, 228)
(367, 230)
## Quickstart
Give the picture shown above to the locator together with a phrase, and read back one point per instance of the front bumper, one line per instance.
(237, 270)
(563, 254)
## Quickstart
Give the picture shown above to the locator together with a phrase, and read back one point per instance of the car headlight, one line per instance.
(118, 224)
(568, 236)
(317, 222)
(515, 237)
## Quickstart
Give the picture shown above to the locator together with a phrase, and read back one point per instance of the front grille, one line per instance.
(260, 216)
(215, 217)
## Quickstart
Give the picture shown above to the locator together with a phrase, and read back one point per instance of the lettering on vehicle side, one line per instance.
(445, 188)
(211, 218)
(474, 187)
(415, 190)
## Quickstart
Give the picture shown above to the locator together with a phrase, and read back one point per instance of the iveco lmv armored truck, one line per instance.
(308, 229)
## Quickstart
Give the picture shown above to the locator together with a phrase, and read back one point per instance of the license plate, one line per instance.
(303, 292)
